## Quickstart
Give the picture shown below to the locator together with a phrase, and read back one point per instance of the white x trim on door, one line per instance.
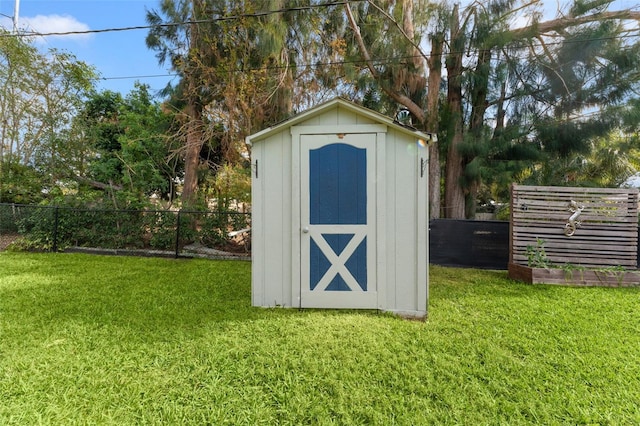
(338, 261)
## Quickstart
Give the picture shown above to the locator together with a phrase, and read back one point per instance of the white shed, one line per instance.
(340, 212)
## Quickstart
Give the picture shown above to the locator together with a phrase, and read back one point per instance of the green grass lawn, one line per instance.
(117, 340)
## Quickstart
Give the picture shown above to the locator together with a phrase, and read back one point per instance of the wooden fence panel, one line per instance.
(591, 227)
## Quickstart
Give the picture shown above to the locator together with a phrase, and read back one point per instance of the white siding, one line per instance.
(407, 266)
(271, 199)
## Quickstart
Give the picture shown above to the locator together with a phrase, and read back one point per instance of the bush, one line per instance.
(161, 226)
(49, 227)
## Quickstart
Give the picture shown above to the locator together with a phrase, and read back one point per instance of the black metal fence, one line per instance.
(472, 243)
(460, 243)
(160, 231)
(457, 243)
(469, 243)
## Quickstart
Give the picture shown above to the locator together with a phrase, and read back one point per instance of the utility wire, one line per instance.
(262, 14)
(197, 21)
(231, 18)
(377, 61)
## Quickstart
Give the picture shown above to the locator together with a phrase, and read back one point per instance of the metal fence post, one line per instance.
(178, 234)
(55, 229)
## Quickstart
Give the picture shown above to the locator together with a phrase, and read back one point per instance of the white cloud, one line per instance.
(45, 24)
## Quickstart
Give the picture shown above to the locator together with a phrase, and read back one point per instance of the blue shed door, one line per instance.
(338, 221)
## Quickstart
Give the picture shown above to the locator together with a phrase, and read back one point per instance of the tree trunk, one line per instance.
(192, 157)
(454, 202)
(454, 195)
(195, 134)
(502, 113)
(479, 93)
(432, 121)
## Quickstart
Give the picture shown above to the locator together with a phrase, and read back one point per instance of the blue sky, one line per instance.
(121, 57)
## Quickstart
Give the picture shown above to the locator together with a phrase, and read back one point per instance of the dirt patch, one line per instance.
(6, 239)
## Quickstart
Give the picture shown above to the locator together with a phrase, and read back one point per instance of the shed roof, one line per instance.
(348, 105)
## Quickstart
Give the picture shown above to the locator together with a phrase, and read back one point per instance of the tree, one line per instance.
(399, 67)
(180, 42)
(583, 83)
(146, 147)
(126, 152)
(237, 67)
(484, 49)
(39, 95)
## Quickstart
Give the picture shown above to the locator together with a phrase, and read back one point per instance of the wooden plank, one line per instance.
(574, 277)
(552, 256)
(602, 212)
(573, 189)
(579, 257)
(599, 236)
(604, 201)
(595, 239)
(519, 272)
(533, 239)
(576, 251)
(562, 257)
(559, 199)
(591, 235)
(603, 237)
(523, 260)
(551, 216)
(608, 231)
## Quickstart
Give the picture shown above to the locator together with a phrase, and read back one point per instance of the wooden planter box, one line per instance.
(575, 277)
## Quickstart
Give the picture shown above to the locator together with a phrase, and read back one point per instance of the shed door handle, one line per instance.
(305, 229)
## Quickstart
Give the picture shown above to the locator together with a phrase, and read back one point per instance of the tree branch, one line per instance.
(559, 24)
(409, 37)
(97, 184)
(401, 99)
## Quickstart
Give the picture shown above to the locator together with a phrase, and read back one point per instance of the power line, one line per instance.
(222, 19)
(131, 77)
(381, 61)
(177, 24)
(377, 61)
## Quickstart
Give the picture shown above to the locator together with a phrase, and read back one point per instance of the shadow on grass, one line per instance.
(145, 295)
(149, 297)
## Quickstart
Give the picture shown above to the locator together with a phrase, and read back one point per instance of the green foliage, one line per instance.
(609, 162)
(162, 227)
(230, 187)
(20, 184)
(83, 227)
(537, 256)
(148, 166)
(214, 230)
(217, 106)
(584, 151)
(215, 227)
(504, 213)
(40, 92)
(38, 224)
(129, 146)
(582, 7)
(119, 340)
(46, 227)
